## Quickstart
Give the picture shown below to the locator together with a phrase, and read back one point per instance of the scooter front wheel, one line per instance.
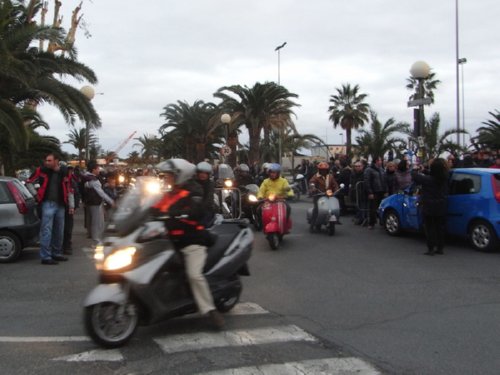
(274, 240)
(226, 304)
(109, 324)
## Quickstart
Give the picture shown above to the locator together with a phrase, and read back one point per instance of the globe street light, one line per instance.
(420, 71)
(89, 93)
(226, 119)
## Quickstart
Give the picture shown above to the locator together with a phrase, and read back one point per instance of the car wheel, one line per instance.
(10, 247)
(482, 236)
(392, 224)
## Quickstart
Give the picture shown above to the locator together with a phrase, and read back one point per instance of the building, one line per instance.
(325, 152)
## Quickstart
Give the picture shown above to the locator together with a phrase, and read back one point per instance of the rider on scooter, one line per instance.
(277, 186)
(203, 177)
(322, 181)
(184, 197)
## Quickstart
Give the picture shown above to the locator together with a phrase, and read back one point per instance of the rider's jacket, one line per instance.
(324, 183)
(279, 187)
(185, 200)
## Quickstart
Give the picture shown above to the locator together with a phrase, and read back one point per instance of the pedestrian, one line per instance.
(375, 188)
(357, 192)
(496, 164)
(188, 235)
(391, 179)
(54, 195)
(68, 215)
(403, 175)
(203, 178)
(111, 191)
(433, 203)
(94, 197)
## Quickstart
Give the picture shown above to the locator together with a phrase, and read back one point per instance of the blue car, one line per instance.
(473, 208)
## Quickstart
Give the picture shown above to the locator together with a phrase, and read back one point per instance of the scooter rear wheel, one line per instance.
(111, 325)
(331, 229)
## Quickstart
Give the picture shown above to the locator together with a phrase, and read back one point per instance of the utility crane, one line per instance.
(120, 147)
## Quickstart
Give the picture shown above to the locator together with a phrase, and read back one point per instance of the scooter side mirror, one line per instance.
(342, 186)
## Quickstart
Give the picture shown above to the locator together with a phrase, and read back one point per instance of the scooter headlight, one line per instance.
(99, 253)
(252, 198)
(152, 187)
(121, 179)
(228, 183)
(272, 197)
(119, 259)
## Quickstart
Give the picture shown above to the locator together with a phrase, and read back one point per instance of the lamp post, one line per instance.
(225, 118)
(461, 62)
(457, 63)
(420, 71)
(278, 49)
(89, 93)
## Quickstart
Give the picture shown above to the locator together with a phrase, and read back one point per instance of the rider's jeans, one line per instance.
(51, 230)
(194, 259)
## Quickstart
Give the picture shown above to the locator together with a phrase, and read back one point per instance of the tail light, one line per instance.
(495, 182)
(18, 198)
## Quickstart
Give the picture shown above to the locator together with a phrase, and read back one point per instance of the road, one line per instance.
(360, 301)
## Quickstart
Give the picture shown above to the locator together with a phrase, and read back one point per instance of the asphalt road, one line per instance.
(361, 297)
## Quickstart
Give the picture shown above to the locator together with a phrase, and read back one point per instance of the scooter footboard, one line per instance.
(105, 293)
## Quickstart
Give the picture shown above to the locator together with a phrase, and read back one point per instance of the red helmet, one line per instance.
(323, 165)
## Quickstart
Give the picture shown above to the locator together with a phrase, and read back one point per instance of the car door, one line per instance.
(463, 201)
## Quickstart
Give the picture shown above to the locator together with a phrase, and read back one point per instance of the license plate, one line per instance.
(333, 218)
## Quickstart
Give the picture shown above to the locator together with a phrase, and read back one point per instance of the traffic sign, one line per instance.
(417, 102)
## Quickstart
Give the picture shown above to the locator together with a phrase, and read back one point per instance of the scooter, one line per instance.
(328, 211)
(249, 202)
(274, 221)
(296, 186)
(142, 278)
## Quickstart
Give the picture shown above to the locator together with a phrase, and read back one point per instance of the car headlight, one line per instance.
(119, 259)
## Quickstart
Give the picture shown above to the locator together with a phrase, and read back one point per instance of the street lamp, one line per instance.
(461, 62)
(278, 49)
(420, 71)
(226, 119)
(89, 93)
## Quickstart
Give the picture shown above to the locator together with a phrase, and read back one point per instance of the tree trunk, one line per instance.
(253, 152)
(232, 142)
(200, 152)
(348, 134)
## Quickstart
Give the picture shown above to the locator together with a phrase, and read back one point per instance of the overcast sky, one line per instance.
(152, 53)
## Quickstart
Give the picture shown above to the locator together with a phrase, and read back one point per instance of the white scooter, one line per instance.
(142, 278)
(328, 212)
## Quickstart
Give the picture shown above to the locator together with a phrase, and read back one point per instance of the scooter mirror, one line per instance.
(342, 186)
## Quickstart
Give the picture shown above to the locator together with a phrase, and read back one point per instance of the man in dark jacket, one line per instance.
(54, 195)
(357, 193)
(375, 188)
(183, 204)
(203, 177)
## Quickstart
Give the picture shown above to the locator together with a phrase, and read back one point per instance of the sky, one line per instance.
(153, 53)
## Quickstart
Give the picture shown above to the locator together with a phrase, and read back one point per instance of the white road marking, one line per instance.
(247, 308)
(326, 366)
(112, 355)
(257, 336)
(15, 339)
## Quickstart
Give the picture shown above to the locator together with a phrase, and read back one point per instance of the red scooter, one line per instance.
(274, 222)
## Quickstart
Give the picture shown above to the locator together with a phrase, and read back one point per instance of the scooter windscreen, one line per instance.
(136, 203)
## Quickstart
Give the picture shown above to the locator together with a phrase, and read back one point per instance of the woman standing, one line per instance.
(433, 200)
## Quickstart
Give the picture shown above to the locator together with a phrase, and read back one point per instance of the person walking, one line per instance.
(68, 215)
(94, 198)
(433, 203)
(54, 195)
(375, 188)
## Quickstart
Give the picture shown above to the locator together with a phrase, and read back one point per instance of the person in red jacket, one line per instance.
(54, 195)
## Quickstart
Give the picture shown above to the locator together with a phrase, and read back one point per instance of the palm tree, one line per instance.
(430, 84)
(30, 76)
(259, 107)
(437, 143)
(348, 110)
(381, 138)
(134, 158)
(489, 135)
(149, 147)
(77, 138)
(196, 126)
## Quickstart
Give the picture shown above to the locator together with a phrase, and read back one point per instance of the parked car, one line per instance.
(19, 221)
(473, 208)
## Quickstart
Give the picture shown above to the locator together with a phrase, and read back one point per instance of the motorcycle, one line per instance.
(141, 277)
(228, 197)
(328, 211)
(274, 221)
(249, 202)
(297, 185)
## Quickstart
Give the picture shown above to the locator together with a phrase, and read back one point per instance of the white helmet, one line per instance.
(266, 165)
(181, 169)
(204, 167)
(244, 168)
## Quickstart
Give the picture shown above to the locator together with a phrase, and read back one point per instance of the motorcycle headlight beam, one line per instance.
(119, 259)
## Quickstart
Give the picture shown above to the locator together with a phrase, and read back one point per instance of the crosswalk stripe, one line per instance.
(247, 308)
(14, 339)
(256, 336)
(112, 355)
(328, 366)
